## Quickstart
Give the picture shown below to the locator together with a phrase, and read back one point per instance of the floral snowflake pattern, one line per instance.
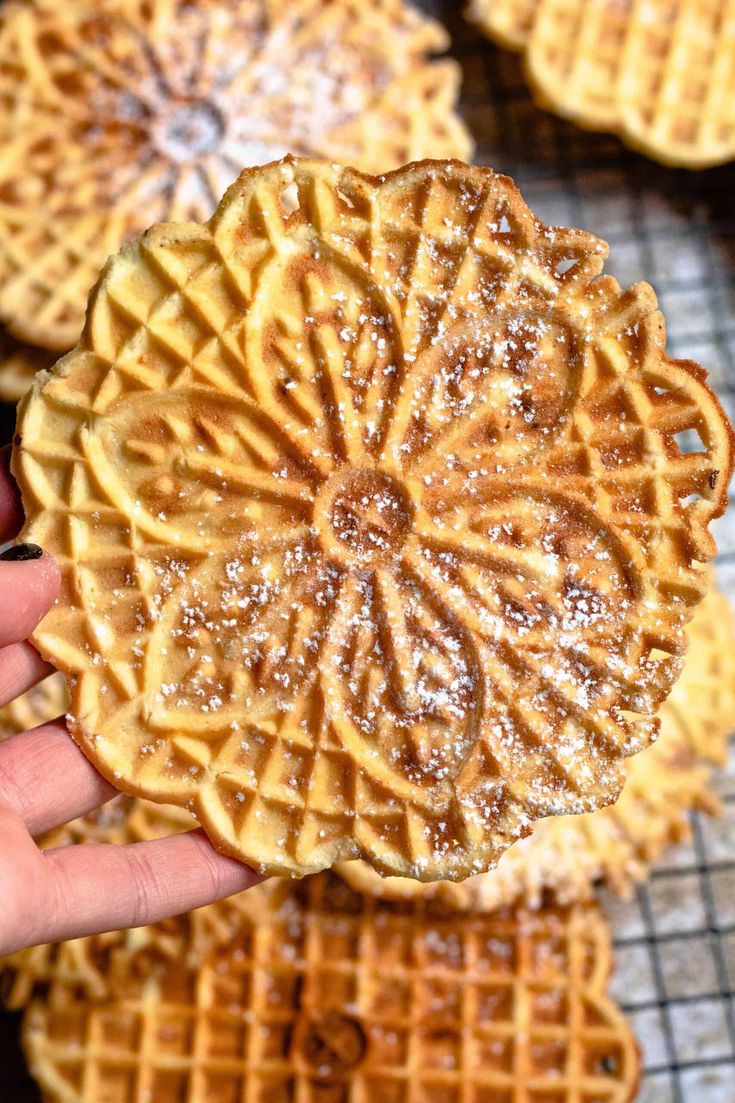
(378, 538)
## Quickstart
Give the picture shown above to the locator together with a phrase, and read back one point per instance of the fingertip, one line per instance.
(28, 589)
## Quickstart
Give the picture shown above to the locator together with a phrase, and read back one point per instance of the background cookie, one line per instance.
(330, 996)
(660, 73)
(117, 115)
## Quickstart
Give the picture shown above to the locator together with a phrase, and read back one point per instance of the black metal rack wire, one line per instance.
(675, 940)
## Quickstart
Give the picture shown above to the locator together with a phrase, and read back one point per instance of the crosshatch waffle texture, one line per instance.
(664, 782)
(660, 73)
(118, 114)
(375, 532)
(675, 940)
(568, 856)
(331, 996)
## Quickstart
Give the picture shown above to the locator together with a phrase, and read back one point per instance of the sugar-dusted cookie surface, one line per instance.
(375, 532)
(565, 857)
(118, 113)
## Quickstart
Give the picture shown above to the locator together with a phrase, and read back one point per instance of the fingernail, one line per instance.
(21, 552)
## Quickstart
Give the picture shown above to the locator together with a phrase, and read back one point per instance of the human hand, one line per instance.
(45, 781)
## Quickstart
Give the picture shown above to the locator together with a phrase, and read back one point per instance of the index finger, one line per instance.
(11, 509)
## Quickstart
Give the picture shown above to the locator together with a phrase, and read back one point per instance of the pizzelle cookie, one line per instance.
(575, 57)
(566, 856)
(117, 114)
(702, 702)
(330, 996)
(677, 93)
(375, 534)
(658, 73)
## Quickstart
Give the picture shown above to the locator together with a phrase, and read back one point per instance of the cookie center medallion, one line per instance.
(362, 516)
(333, 1042)
(190, 130)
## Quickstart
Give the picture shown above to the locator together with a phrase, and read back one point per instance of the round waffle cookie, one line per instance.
(567, 856)
(375, 533)
(330, 996)
(114, 115)
(658, 73)
(18, 366)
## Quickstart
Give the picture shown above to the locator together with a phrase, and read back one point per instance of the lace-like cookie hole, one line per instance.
(289, 198)
(689, 499)
(566, 265)
(690, 441)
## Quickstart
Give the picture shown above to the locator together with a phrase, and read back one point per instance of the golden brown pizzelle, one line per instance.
(329, 996)
(117, 114)
(564, 857)
(658, 73)
(567, 856)
(375, 533)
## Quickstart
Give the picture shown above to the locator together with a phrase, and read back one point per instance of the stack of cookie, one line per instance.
(380, 553)
(118, 114)
(658, 73)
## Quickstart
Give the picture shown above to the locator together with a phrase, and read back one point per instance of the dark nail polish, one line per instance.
(20, 552)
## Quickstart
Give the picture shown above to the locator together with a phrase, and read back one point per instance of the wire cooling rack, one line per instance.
(675, 974)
